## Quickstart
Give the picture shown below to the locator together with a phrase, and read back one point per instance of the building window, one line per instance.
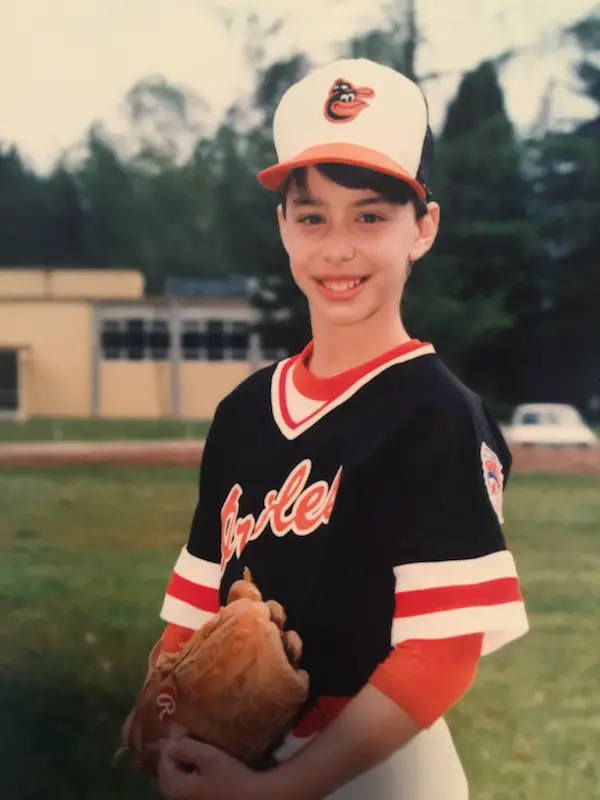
(111, 339)
(160, 339)
(193, 341)
(137, 339)
(240, 341)
(215, 340)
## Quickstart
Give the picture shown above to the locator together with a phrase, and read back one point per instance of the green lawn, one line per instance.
(85, 554)
(47, 430)
(42, 429)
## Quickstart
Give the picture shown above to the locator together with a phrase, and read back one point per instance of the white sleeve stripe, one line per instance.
(198, 570)
(290, 746)
(435, 574)
(181, 613)
(500, 624)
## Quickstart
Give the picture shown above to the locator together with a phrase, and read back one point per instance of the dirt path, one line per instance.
(567, 460)
(189, 452)
(185, 452)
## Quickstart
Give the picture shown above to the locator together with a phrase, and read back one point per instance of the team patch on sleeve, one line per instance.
(192, 595)
(443, 599)
(494, 479)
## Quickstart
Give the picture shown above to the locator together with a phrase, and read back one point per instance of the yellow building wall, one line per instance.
(105, 284)
(21, 283)
(55, 340)
(58, 337)
(143, 389)
(64, 284)
(135, 389)
(205, 384)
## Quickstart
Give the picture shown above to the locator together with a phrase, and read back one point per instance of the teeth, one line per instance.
(340, 286)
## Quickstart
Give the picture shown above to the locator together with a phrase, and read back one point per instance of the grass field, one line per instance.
(43, 429)
(92, 430)
(85, 554)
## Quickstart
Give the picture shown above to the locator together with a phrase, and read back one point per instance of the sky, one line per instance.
(69, 63)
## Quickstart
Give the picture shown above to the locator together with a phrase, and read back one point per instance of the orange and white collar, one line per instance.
(299, 399)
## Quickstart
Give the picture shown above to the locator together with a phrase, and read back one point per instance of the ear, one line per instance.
(282, 227)
(428, 227)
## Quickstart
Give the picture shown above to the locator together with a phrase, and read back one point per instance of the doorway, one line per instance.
(9, 382)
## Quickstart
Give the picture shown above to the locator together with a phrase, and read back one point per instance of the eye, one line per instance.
(347, 97)
(311, 219)
(369, 217)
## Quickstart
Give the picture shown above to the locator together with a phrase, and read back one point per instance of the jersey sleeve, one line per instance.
(453, 572)
(192, 593)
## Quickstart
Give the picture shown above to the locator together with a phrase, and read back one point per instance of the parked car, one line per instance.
(550, 424)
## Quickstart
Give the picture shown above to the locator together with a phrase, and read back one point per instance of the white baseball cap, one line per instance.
(353, 111)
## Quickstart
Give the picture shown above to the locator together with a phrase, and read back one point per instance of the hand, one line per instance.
(192, 770)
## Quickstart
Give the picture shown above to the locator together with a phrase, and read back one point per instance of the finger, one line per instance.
(293, 646)
(278, 615)
(245, 587)
(174, 781)
(191, 751)
(176, 731)
(167, 774)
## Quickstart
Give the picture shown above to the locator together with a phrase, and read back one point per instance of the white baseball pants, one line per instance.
(427, 768)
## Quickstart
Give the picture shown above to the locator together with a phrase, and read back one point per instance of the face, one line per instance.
(349, 249)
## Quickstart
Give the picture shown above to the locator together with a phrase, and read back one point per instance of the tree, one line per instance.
(394, 43)
(110, 197)
(285, 322)
(25, 212)
(566, 175)
(66, 220)
(481, 264)
(164, 122)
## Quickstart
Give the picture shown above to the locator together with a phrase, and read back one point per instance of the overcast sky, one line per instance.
(66, 63)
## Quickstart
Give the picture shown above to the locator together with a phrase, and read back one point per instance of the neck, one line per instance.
(336, 350)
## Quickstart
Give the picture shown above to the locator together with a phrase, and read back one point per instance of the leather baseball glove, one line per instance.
(235, 684)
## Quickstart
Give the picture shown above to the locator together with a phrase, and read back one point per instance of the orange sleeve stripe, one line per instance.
(427, 677)
(448, 598)
(202, 597)
(174, 636)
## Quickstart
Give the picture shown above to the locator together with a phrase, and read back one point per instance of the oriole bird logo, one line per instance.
(346, 101)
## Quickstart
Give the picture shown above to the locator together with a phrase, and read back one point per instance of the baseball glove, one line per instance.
(235, 684)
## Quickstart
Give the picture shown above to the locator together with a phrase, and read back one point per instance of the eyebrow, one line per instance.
(307, 200)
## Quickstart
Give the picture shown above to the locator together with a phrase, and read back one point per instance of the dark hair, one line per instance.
(392, 189)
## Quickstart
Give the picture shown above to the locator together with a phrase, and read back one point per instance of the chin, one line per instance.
(344, 317)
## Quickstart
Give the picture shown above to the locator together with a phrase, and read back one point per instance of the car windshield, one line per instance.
(538, 418)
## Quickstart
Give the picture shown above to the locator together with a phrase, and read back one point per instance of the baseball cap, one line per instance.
(353, 111)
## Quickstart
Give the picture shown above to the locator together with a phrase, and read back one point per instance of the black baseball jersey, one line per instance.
(369, 505)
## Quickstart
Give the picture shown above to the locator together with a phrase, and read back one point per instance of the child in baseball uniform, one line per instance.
(359, 480)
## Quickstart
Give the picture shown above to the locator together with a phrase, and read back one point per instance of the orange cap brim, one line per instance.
(339, 153)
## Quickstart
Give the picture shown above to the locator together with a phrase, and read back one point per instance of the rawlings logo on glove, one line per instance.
(235, 684)
(166, 703)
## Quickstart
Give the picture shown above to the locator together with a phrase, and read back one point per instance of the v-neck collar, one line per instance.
(299, 398)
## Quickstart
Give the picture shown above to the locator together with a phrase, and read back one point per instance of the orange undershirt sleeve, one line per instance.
(174, 636)
(427, 677)
(424, 677)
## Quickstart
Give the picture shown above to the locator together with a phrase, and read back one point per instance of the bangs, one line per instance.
(392, 189)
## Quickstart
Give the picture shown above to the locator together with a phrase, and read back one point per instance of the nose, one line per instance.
(338, 249)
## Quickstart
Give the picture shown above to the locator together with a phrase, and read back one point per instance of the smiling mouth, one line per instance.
(342, 285)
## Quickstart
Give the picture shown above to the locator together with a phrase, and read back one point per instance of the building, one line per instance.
(89, 343)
